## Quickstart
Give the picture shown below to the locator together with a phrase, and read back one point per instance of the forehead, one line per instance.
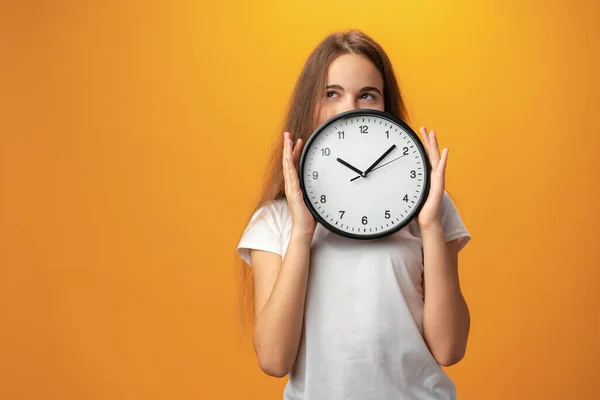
(353, 71)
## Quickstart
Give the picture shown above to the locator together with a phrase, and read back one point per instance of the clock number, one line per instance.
(405, 151)
(365, 220)
(387, 214)
(387, 134)
(341, 135)
(413, 174)
(315, 175)
(325, 151)
(341, 214)
(405, 198)
(364, 129)
(323, 198)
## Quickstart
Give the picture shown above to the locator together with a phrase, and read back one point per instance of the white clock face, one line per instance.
(364, 174)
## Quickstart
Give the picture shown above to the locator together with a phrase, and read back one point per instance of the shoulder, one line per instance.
(273, 212)
(454, 226)
(271, 217)
(449, 208)
(265, 229)
(452, 222)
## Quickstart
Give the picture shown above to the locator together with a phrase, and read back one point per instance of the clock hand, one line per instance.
(353, 168)
(388, 151)
(382, 165)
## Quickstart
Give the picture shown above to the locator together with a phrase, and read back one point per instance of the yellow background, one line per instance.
(133, 137)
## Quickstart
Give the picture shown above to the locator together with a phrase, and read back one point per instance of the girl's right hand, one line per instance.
(302, 220)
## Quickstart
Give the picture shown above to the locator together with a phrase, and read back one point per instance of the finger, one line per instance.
(285, 149)
(284, 144)
(285, 161)
(441, 169)
(434, 150)
(297, 152)
(290, 173)
(425, 137)
(292, 169)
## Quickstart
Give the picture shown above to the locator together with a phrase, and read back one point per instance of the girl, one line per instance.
(343, 318)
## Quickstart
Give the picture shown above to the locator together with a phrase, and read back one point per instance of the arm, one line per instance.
(280, 285)
(446, 318)
(280, 291)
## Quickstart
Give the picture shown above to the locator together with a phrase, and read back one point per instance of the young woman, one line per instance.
(343, 318)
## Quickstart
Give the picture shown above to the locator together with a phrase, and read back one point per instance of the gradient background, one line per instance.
(134, 136)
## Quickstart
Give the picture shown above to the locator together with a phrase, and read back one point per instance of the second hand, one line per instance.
(382, 165)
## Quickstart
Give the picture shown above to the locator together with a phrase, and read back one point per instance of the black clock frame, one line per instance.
(366, 113)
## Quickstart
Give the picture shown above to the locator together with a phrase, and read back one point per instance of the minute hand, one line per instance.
(384, 155)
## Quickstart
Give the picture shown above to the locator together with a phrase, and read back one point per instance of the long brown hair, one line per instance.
(302, 116)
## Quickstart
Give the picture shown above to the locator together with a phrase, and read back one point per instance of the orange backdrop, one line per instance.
(133, 138)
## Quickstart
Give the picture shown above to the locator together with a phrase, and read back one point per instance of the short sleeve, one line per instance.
(262, 233)
(454, 228)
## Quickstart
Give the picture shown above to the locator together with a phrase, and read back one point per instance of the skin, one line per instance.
(280, 285)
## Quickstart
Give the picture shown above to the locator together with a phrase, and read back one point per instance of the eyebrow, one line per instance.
(365, 89)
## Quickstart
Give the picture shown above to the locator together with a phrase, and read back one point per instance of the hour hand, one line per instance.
(352, 167)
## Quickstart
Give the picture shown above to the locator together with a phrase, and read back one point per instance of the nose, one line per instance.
(347, 105)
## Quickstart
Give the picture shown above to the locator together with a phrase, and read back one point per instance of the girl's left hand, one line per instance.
(431, 213)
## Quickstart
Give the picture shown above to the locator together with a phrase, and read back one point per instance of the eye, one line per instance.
(331, 93)
(363, 96)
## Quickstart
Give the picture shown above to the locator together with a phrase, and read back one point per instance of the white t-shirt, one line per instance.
(362, 337)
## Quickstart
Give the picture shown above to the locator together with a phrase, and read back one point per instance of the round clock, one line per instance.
(364, 174)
